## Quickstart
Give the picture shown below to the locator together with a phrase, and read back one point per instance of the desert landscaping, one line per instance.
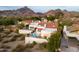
(24, 30)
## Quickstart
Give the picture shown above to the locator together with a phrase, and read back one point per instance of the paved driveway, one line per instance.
(72, 45)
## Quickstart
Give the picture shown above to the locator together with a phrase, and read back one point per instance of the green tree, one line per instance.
(50, 18)
(59, 14)
(7, 21)
(21, 26)
(36, 18)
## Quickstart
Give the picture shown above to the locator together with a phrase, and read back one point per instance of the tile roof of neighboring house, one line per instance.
(40, 28)
(50, 25)
(41, 23)
(28, 21)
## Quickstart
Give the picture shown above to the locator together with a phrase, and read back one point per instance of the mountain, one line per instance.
(51, 12)
(64, 12)
(25, 11)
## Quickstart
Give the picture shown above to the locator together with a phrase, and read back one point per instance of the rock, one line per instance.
(36, 47)
(2, 35)
(0, 39)
(0, 45)
(12, 34)
(19, 48)
(3, 50)
(7, 31)
(5, 46)
(6, 40)
(14, 44)
(21, 38)
(1, 28)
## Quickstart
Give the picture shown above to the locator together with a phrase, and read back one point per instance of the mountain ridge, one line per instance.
(25, 11)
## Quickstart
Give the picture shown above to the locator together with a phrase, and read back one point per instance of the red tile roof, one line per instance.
(41, 23)
(40, 28)
(29, 21)
(50, 25)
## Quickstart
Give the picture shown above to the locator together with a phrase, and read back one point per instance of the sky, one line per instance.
(42, 8)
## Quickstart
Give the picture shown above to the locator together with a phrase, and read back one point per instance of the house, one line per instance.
(28, 21)
(50, 28)
(51, 25)
(74, 33)
(41, 26)
(33, 25)
(44, 28)
(24, 31)
(37, 24)
(25, 22)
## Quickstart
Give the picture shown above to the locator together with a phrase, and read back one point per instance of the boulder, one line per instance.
(21, 37)
(6, 40)
(2, 35)
(19, 48)
(3, 50)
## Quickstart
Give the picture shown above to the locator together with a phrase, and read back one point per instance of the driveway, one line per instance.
(73, 45)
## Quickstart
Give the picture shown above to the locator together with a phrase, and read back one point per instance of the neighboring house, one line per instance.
(25, 22)
(24, 31)
(38, 25)
(28, 21)
(71, 32)
(42, 23)
(33, 25)
(43, 28)
(50, 28)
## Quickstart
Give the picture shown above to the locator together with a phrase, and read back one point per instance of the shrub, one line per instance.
(50, 18)
(54, 42)
(21, 26)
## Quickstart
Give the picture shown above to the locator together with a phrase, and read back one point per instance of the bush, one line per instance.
(21, 26)
(8, 20)
(50, 18)
(54, 42)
